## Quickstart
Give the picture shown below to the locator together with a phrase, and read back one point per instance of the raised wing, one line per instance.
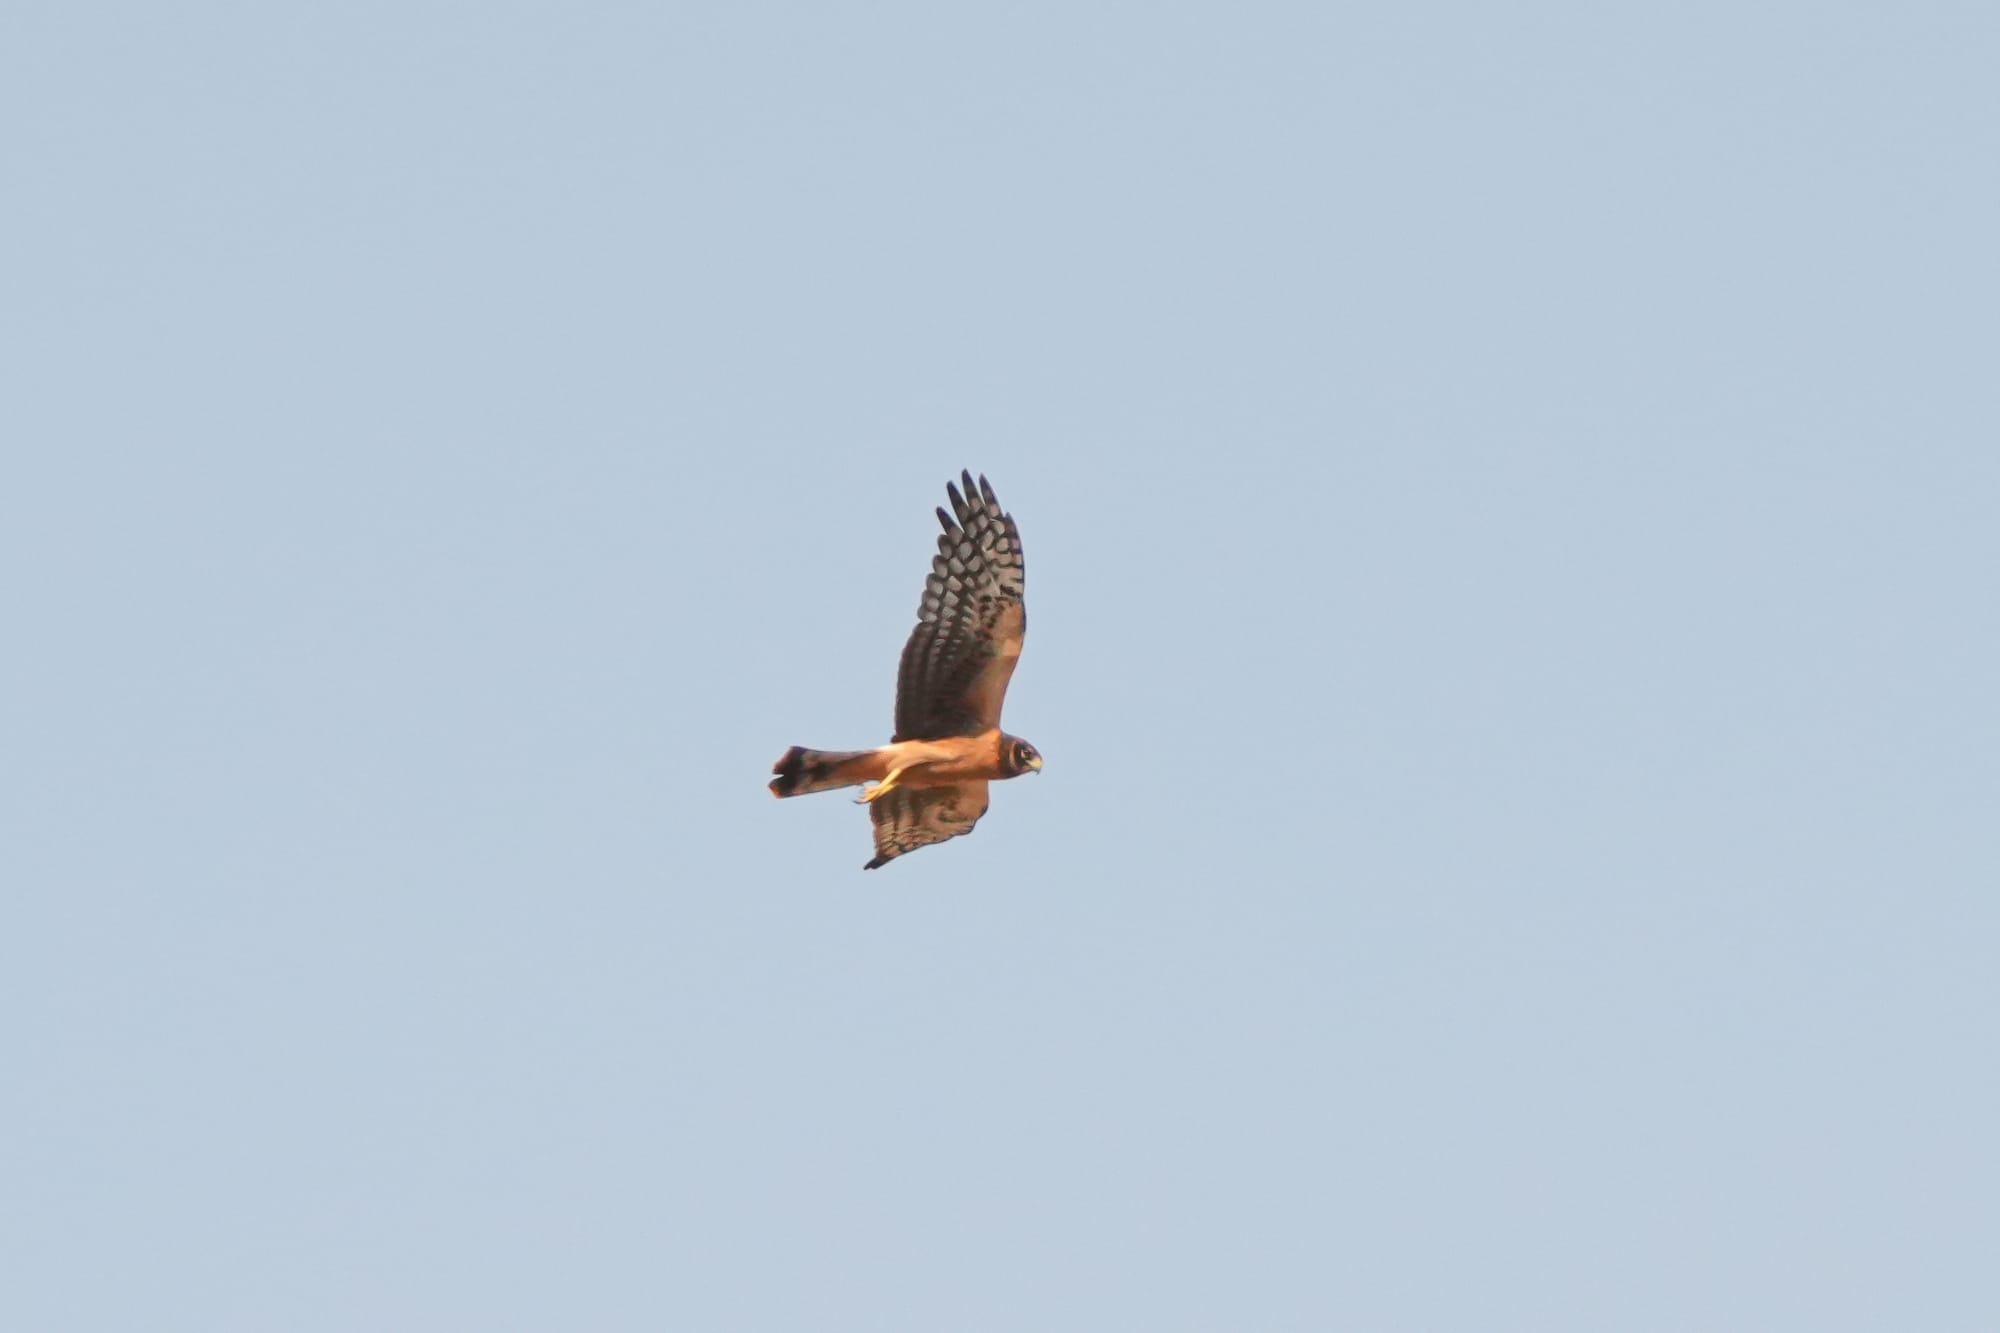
(970, 623)
(912, 817)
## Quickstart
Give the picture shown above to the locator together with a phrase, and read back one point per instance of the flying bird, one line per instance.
(929, 782)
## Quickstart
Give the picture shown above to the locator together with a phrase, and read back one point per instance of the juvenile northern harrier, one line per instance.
(930, 780)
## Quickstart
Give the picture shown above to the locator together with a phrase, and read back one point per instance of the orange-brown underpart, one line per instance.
(937, 763)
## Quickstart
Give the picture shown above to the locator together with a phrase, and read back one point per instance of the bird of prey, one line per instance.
(930, 780)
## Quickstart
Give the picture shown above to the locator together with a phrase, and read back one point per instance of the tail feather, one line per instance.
(802, 771)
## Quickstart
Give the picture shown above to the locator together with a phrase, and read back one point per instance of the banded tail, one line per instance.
(802, 772)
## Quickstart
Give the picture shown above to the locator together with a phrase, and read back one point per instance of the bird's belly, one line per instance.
(954, 759)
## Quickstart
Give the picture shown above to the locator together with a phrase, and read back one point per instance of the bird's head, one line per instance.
(1020, 757)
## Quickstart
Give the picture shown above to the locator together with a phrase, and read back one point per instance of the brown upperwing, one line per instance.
(970, 623)
(912, 817)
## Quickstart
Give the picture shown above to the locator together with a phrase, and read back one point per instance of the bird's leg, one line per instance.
(882, 788)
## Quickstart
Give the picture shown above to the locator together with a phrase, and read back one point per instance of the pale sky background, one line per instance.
(1512, 503)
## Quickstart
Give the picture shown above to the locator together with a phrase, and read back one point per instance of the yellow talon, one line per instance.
(882, 788)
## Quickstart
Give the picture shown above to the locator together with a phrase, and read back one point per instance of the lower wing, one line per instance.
(911, 817)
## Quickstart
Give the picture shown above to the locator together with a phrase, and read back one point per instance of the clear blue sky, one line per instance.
(1510, 497)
